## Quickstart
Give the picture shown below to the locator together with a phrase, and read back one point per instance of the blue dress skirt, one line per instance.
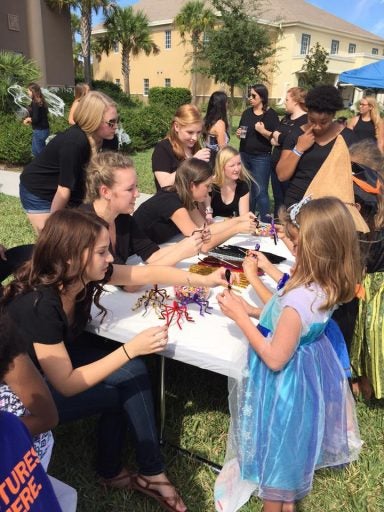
(287, 423)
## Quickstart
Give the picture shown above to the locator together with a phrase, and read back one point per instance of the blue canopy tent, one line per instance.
(370, 76)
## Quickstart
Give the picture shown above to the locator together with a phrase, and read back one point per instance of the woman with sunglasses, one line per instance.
(368, 123)
(255, 131)
(56, 177)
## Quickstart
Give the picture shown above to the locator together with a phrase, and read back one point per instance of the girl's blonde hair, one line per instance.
(328, 250)
(223, 156)
(375, 114)
(367, 153)
(81, 90)
(191, 171)
(184, 116)
(101, 171)
(298, 94)
(89, 113)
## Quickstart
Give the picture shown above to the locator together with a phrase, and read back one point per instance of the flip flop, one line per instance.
(166, 502)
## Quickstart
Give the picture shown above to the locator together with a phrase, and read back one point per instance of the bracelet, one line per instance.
(126, 353)
(209, 209)
(297, 152)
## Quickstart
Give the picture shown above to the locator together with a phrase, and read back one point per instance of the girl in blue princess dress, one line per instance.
(292, 410)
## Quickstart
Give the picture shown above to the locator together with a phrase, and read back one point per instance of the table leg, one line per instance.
(162, 399)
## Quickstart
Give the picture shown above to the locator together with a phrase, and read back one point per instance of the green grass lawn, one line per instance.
(197, 419)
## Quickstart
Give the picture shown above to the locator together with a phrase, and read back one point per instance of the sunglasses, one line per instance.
(112, 122)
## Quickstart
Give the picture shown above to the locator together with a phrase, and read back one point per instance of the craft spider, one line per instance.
(168, 313)
(154, 297)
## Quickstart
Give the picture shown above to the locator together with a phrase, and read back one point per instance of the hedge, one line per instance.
(169, 97)
(145, 125)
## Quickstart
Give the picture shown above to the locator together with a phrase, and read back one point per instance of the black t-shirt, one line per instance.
(153, 216)
(39, 115)
(41, 318)
(254, 143)
(164, 159)
(130, 239)
(309, 163)
(286, 126)
(62, 162)
(228, 210)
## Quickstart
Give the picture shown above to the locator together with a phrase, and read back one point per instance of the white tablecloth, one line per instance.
(211, 342)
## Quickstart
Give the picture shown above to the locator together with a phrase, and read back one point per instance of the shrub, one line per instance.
(145, 125)
(169, 97)
(114, 91)
(15, 141)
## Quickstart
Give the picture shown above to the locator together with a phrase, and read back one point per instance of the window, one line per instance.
(115, 47)
(334, 47)
(305, 44)
(352, 48)
(117, 81)
(168, 39)
(146, 87)
(375, 51)
(167, 82)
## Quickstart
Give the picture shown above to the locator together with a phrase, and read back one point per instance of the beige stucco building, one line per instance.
(30, 28)
(296, 26)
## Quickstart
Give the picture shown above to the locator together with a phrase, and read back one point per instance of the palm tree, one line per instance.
(85, 7)
(15, 69)
(131, 30)
(194, 19)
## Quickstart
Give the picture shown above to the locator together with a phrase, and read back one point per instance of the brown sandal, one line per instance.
(167, 502)
(122, 481)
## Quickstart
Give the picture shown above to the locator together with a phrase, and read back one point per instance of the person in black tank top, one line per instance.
(368, 123)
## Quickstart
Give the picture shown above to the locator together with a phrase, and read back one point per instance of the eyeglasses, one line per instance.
(112, 122)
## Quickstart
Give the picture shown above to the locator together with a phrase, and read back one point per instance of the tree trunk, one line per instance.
(85, 25)
(125, 70)
(193, 77)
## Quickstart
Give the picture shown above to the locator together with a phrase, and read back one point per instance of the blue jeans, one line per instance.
(260, 168)
(279, 188)
(38, 140)
(124, 402)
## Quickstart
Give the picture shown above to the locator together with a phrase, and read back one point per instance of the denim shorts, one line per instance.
(32, 203)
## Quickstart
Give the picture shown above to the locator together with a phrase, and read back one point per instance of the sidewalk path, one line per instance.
(9, 185)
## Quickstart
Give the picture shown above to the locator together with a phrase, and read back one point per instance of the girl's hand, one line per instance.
(306, 140)
(191, 245)
(216, 278)
(206, 233)
(247, 223)
(259, 127)
(250, 265)
(262, 261)
(27, 120)
(238, 133)
(203, 154)
(150, 341)
(231, 305)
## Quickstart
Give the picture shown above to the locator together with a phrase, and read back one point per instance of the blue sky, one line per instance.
(368, 14)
